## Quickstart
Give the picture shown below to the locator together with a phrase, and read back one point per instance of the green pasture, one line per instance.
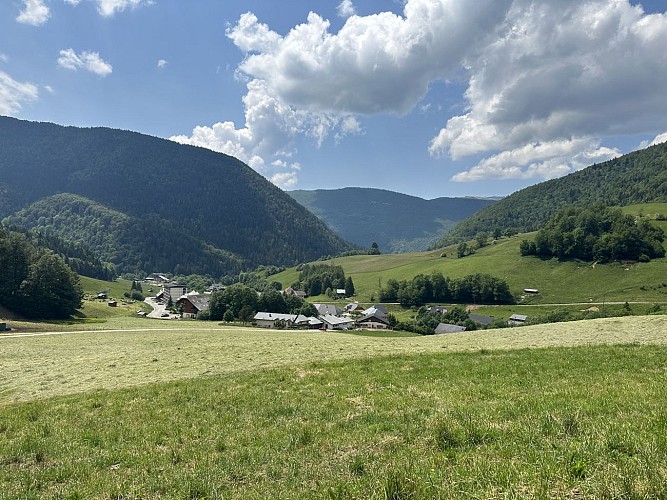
(287, 415)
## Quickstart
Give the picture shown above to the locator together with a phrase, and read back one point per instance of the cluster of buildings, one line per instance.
(329, 317)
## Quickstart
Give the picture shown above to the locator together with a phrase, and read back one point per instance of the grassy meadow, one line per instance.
(234, 413)
(558, 282)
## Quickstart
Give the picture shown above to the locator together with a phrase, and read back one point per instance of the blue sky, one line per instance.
(426, 97)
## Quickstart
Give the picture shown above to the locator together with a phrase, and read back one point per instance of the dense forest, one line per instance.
(596, 233)
(637, 177)
(35, 282)
(207, 196)
(131, 244)
(396, 222)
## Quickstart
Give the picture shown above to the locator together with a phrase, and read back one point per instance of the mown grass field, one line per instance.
(244, 413)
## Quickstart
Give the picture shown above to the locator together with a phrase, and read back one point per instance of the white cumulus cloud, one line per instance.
(14, 94)
(90, 61)
(545, 81)
(161, 63)
(35, 12)
(659, 139)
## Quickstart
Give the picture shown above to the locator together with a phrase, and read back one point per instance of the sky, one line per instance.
(425, 97)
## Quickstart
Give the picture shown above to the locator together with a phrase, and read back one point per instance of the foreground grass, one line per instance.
(587, 422)
(51, 365)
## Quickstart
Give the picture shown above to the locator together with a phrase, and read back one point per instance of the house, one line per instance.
(328, 309)
(308, 322)
(517, 319)
(375, 321)
(112, 303)
(193, 303)
(330, 322)
(215, 287)
(296, 293)
(437, 309)
(353, 307)
(268, 320)
(481, 320)
(173, 292)
(447, 328)
(102, 295)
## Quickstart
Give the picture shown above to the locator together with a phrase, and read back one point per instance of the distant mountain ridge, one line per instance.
(396, 222)
(636, 177)
(189, 193)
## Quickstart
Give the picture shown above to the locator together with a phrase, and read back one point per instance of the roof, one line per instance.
(307, 320)
(324, 309)
(446, 328)
(518, 317)
(376, 316)
(199, 301)
(174, 285)
(437, 309)
(482, 320)
(375, 309)
(267, 316)
(335, 320)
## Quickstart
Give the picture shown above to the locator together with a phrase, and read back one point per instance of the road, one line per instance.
(158, 309)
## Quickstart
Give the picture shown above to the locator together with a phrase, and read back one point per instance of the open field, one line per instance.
(37, 367)
(424, 422)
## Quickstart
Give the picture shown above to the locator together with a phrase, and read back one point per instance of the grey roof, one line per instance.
(266, 316)
(200, 301)
(335, 320)
(307, 320)
(375, 309)
(376, 316)
(324, 309)
(518, 317)
(174, 285)
(482, 320)
(437, 309)
(446, 328)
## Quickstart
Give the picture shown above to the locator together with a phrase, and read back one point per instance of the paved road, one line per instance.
(158, 309)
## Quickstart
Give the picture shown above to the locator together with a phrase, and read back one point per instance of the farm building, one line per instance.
(517, 319)
(481, 320)
(328, 309)
(268, 320)
(335, 323)
(447, 328)
(375, 321)
(193, 304)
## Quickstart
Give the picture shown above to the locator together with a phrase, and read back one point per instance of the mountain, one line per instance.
(396, 222)
(637, 177)
(164, 191)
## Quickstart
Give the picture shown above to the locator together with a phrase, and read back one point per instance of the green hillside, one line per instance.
(637, 177)
(208, 196)
(558, 282)
(396, 222)
(130, 243)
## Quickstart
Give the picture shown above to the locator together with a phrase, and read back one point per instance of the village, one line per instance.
(185, 304)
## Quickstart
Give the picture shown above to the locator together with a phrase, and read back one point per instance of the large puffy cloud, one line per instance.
(34, 12)
(90, 61)
(14, 94)
(561, 70)
(546, 81)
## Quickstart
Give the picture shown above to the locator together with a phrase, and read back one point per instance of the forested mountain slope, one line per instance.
(396, 222)
(130, 243)
(637, 177)
(208, 196)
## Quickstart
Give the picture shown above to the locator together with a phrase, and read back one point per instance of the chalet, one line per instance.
(289, 291)
(173, 292)
(375, 321)
(328, 309)
(517, 319)
(193, 303)
(447, 328)
(481, 320)
(330, 322)
(353, 307)
(268, 320)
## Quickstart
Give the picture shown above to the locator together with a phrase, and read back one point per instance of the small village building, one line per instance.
(437, 309)
(173, 292)
(531, 291)
(308, 322)
(328, 309)
(517, 319)
(353, 307)
(481, 320)
(193, 303)
(289, 291)
(447, 328)
(112, 303)
(376, 309)
(268, 320)
(375, 321)
(102, 295)
(330, 322)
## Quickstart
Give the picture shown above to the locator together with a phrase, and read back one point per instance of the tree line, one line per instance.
(35, 282)
(423, 289)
